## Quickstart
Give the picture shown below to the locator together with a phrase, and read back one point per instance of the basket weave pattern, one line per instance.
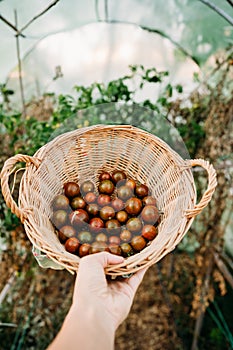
(80, 155)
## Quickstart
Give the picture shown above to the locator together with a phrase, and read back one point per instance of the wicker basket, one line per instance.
(82, 154)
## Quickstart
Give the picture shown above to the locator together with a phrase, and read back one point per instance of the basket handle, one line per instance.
(7, 170)
(212, 183)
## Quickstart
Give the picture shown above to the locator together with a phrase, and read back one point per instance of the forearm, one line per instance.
(85, 330)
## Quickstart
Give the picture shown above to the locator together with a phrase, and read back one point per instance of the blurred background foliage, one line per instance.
(185, 300)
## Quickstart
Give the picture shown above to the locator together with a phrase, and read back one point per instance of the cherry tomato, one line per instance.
(125, 235)
(113, 226)
(106, 186)
(131, 184)
(60, 202)
(122, 216)
(134, 225)
(90, 197)
(85, 236)
(118, 175)
(101, 237)
(87, 186)
(105, 176)
(84, 249)
(107, 212)
(149, 232)
(92, 209)
(96, 224)
(59, 218)
(66, 232)
(71, 189)
(103, 199)
(77, 203)
(114, 240)
(124, 192)
(114, 249)
(133, 206)
(79, 217)
(150, 214)
(142, 191)
(138, 243)
(97, 247)
(117, 204)
(149, 200)
(126, 249)
(72, 244)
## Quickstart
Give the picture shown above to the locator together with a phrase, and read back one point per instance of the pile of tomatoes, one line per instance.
(119, 215)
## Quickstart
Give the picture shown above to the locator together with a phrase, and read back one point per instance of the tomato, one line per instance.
(125, 235)
(126, 249)
(149, 232)
(124, 192)
(60, 202)
(106, 186)
(103, 199)
(107, 212)
(134, 225)
(101, 237)
(87, 186)
(92, 209)
(113, 226)
(72, 244)
(149, 200)
(133, 206)
(59, 218)
(79, 217)
(97, 247)
(150, 214)
(142, 190)
(71, 189)
(114, 249)
(118, 175)
(105, 176)
(138, 243)
(66, 232)
(131, 184)
(77, 203)
(90, 197)
(85, 236)
(84, 249)
(122, 216)
(96, 224)
(114, 240)
(117, 204)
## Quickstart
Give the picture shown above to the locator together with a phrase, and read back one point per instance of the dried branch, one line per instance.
(20, 68)
(7, 287)
(223, 268)
(37, 16)
(222, 13)
(230, 2)
(11, 26)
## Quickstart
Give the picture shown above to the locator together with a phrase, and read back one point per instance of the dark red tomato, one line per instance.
(87, 186)
(84, 249)
(85, 236)
(103, 199)
(118, 175)
(149, 200)
(114, 249)
(133, 206)
(138, 243)
(96, 225)
(107, 212)
(59, 218)
(149, 232)
(113, 226)
(122, 216)
(134, 225)
(117, 204)
(106, 186)
(101, 237)
(125, 235)
(142, 191)
(114, 240)
(126, 249)
(79, 217)
(124, 192)
(72, 244)
(90, 197)
(71, 189)
(150, 214)
(97, 247)
(60, 202)
(92, 209)
(131, 184)
(77, 203)
(66, 232)
(105, 176)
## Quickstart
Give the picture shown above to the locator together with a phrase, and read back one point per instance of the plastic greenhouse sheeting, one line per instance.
(83, 38)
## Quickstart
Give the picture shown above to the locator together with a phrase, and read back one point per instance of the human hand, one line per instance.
(112, 299)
